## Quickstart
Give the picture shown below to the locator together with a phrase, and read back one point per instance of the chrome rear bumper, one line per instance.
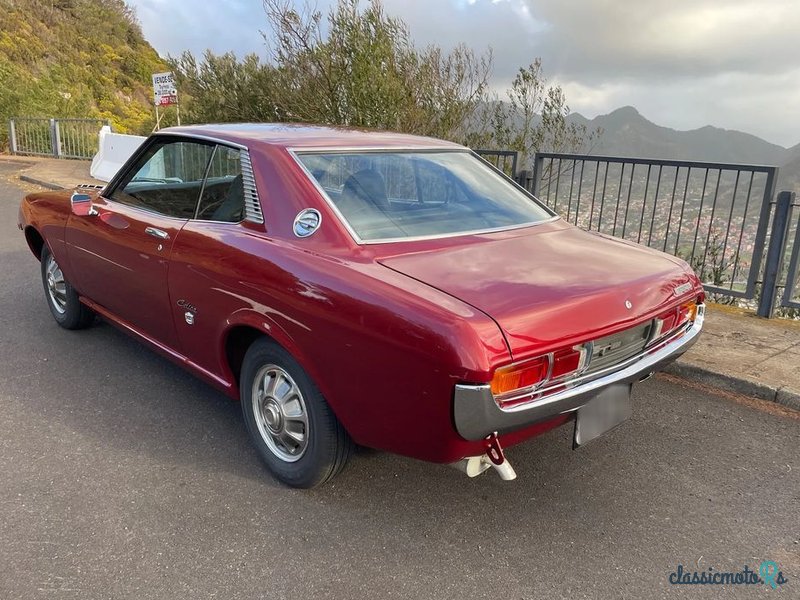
(477, 415)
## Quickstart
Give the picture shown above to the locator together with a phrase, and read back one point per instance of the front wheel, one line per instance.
(293, 428)
(62, 299)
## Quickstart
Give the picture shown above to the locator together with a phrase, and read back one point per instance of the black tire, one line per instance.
(276, 417)
(62, 299)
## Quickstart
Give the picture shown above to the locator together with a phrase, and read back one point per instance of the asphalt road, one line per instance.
(121, 476)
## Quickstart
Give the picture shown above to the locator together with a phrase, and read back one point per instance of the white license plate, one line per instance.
(602, 413)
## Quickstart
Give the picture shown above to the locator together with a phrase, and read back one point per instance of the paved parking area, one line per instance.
(124, 477)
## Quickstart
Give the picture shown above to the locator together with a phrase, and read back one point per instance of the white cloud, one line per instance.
(657, 38)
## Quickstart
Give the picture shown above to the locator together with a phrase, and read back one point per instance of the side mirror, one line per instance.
(82, 205)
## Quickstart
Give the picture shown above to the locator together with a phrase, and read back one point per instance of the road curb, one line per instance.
(782, 395)
(41, 182)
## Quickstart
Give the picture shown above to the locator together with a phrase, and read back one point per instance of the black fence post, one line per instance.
(775, 252)
(538, 166)
(523, 177)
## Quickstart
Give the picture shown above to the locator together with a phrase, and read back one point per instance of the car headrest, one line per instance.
(366, 187)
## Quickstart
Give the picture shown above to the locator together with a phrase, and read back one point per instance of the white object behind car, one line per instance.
(113, 150)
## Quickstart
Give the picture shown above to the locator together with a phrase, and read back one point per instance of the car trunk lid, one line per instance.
(550, 285)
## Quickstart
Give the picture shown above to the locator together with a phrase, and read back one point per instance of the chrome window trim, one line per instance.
(375, 149)
(112, 185)
(295, 152)
(205, 138)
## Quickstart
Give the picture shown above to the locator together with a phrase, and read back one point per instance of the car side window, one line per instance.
(223, 193)
(167, 178)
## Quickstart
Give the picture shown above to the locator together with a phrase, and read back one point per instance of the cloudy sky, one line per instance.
(683, 63)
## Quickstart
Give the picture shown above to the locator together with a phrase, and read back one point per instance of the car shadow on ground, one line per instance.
(128, 397)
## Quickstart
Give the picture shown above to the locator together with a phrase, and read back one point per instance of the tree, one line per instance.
(365, 71)
(360, 70)
(356, 66)
(224, 89)
(532, 118)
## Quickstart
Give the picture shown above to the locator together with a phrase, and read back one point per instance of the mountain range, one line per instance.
(627, 133)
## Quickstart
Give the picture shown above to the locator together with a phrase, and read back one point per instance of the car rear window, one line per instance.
(396, 195)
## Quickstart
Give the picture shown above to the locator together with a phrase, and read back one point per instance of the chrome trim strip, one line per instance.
(169, 352)
(442, 236)
(476, 413)
(376, 148)
(511, 397)
(103, 258)
(361, 242)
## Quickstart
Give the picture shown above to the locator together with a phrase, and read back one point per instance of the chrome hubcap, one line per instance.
(56, 286)
(280, 413)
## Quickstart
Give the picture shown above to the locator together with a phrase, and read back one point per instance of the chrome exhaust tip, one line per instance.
(475, 465)
(505, 470)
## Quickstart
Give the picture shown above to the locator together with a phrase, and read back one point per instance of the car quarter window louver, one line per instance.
(252, 206)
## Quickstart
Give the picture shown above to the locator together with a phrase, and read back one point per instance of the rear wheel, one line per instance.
(62, 299)
(293, 428)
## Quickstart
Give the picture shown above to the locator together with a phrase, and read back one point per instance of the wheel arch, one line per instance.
(247, 327)
(35, 241)
(238, 340)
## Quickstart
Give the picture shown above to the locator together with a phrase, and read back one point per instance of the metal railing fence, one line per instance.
(725, 219)
(60, 138)
(714, 215)
(504, 160)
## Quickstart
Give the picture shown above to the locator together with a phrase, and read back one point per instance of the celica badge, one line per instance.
(682, 288)
(628, 304)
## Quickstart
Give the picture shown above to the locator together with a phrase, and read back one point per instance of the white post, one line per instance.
(12, 136)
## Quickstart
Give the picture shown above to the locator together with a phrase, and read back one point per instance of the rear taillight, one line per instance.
(674, 318)
(568, 361)
(515, 382)
(528, 374)
(686, 312)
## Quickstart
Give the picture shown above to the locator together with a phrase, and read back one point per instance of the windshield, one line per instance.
(390, 195)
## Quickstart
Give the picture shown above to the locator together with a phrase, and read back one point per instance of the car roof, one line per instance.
(302, 136)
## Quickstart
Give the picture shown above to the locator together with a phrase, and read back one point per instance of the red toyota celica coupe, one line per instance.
(368, 288)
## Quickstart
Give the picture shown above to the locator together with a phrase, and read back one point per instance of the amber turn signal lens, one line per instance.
(687, 312)
(523, 375)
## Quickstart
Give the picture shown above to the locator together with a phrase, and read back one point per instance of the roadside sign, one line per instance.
(164, 91)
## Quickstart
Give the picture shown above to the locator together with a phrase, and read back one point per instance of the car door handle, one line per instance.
(157, 233)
